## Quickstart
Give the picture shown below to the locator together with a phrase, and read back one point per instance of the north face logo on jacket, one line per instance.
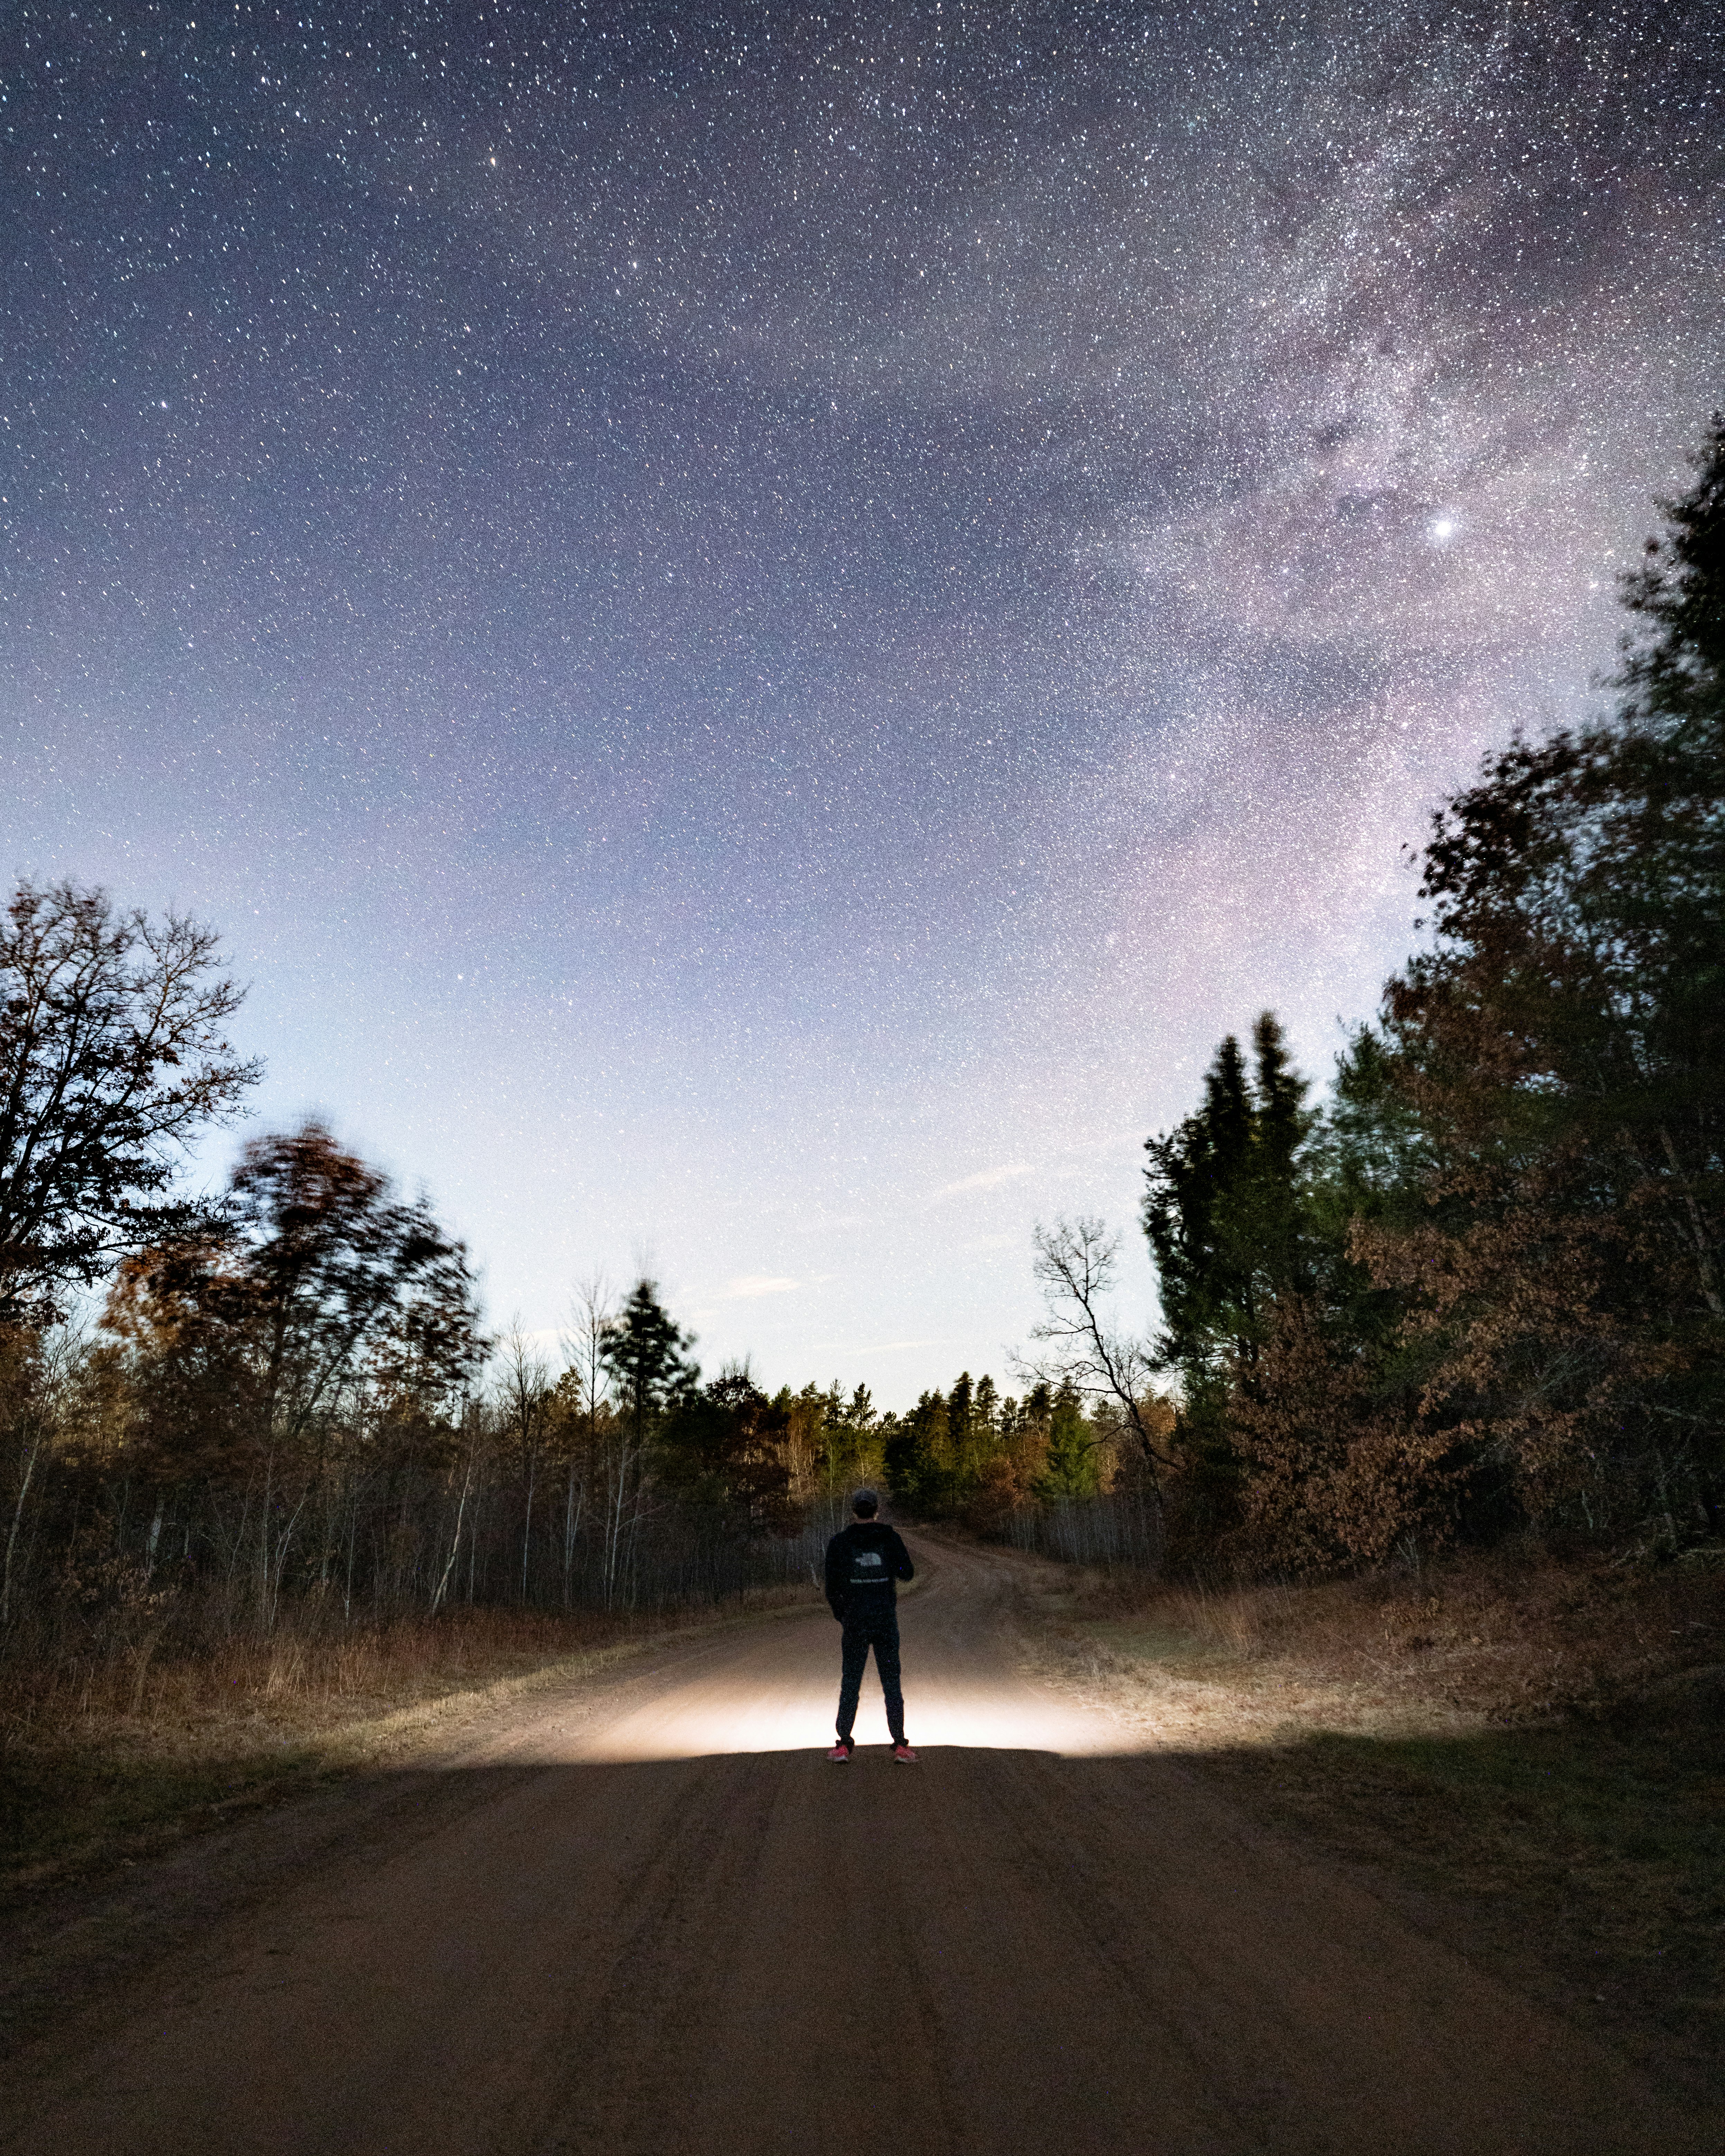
(863, 1560)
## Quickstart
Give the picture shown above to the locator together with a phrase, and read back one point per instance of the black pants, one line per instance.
(877, 1629)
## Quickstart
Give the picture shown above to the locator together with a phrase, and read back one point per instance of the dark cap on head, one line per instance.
(865, 1504)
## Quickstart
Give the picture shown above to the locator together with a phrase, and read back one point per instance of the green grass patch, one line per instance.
(61, 1809)
(1527, 1755)
(1588, 1862)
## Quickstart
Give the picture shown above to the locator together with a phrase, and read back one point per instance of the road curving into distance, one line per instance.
(645, 1915)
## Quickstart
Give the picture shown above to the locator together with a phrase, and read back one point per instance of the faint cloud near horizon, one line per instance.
(746, 1285)
(869, 1348)
(985, 1178)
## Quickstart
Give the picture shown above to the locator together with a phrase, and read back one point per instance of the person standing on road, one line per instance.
(863, 1560)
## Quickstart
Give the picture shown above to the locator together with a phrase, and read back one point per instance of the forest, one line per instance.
(1473, 1292)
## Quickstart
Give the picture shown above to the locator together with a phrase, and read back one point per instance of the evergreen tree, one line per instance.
(960, 1430)
(852, 1437)
(727, 1446)
(1230, 1228)
(1069, 1462)
(985, 1417)
(646, 1354)
(916, 1456)
(1225, 1212)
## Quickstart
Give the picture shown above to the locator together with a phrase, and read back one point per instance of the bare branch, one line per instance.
(1075, 1267)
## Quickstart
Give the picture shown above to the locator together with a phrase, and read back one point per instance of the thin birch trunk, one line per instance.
(1703, 1257)
(455, 1546)
(574, 1506)
(528, 1528)
(17, 1516)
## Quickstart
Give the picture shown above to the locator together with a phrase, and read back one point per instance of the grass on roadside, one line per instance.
(1586, 1863)
(1532, 1752)
(103, 1761)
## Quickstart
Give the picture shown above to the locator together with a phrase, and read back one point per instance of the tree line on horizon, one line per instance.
(288, 1397)
(282, 1397)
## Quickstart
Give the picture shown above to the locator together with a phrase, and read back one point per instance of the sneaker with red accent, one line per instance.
(904, 1755)
(841, 1753)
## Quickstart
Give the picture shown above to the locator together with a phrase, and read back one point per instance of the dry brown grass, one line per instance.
(293, 1679)
(1478, 1642)
(104, 1757)
(1529, 1754)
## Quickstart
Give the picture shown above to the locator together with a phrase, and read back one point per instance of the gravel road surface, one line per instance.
(644, 1914)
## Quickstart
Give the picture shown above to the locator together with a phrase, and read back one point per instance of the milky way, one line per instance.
(759, 626)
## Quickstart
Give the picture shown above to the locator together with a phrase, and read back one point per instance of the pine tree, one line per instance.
(646, 1352)
(985, 1417)
(1224, 1208)
(960, 1430)
(1070, 1466)
(728, 1446)
(917, 1466)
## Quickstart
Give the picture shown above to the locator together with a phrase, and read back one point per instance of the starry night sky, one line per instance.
(760, 626)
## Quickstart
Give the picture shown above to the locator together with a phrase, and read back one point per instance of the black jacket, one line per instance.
(863, 1560)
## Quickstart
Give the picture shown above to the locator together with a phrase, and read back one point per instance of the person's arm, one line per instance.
(836, 1569)
(903, 1568)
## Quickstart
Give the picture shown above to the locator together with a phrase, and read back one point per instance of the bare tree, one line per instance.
(112, 1059)
(1075, 1267)
(524, 1399)
(591, 1318)
(36, 1375)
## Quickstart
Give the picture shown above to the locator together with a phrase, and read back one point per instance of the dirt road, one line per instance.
(650, 1917)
